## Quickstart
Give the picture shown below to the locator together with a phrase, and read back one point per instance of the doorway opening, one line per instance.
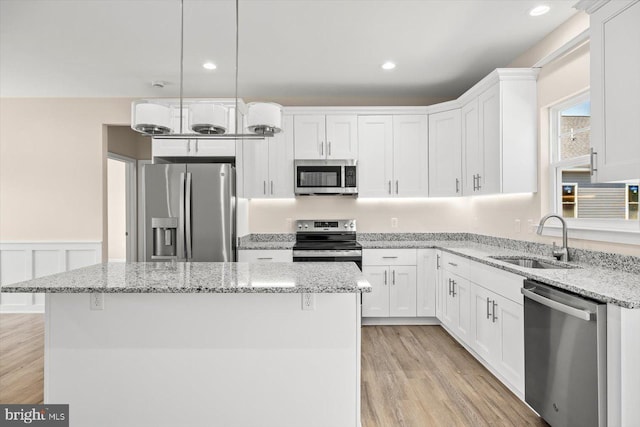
(121, 208)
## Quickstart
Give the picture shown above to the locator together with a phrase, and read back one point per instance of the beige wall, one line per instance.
(52, 167)
(125, 141)
(117, 209)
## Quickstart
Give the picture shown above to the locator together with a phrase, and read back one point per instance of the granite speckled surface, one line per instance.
(202, 277)
(267, 241)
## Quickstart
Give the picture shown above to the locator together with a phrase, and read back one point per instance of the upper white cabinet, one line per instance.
(615, 91)
(268, 164)
(319, 136)
(193, 148)
(393, 156)
(445, 154)
(499, 134)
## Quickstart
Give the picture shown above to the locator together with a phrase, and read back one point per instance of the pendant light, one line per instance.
(208, 119)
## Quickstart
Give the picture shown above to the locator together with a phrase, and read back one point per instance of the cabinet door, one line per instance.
(449, 303)
(213, 148)
(376, 302)
(445, 154)
(375, 156)
(440, 292)
(473, 153)
(490, 141)
(309, 136)
(509, 357)
(256, 168)
(276, 255)
(170, 147)
(402, 292)
(426, 283)
(615, 90)
(410, 156)
(484, 334)
(461, 288)
(281, 161)
(342, 137)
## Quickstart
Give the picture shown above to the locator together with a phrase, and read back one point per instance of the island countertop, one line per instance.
(202, 277)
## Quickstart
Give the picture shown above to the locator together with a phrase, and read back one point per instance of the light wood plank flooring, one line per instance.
(21, 358)
(411, 376)
(420, 376)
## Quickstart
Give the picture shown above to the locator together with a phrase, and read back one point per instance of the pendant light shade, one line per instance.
(208, 118)
(151, 119)
(264, 118)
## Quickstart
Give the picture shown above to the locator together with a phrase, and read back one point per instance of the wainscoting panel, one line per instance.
(21, 261)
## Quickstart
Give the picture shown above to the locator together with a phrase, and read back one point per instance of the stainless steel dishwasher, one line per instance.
(565, 356)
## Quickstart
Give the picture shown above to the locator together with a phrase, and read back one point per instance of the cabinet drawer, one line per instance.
(389, 257)
(454, 264)
(278, 255)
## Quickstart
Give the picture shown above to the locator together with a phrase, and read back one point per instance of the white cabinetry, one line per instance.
(426, 283)
(445, 154)
(263, 255)
(319, 136)
(455, 308)
(499, 134)
(392, 274)
(615, 91)
(393, 156)
(268, 165)
(193, 148)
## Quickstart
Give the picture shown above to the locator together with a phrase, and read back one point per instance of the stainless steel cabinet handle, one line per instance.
(457, 185)
(592, 163)
(453, 288)
(394, 277)
(571, 311)
(385, 277)
(437, 262)
(188, 146)
(264, 187)
(488, 305)
(188, 215)
(453, 264)
(449, 286)
(196, 146)
(389, 257)
(322, 148)
(389, 187)
(396, 186)
(478, 185)
(493, 311)
(272, 188)
(265, 258)
(329, 148)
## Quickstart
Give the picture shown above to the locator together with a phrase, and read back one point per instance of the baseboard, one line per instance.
(397, 321)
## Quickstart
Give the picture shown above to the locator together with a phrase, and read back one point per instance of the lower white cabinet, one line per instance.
(393, 278)
(427, 281)
(260, 255)
(455, 308)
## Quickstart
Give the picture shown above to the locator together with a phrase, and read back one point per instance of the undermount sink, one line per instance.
(532, 262)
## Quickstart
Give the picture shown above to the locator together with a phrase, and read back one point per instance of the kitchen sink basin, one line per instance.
(533, 262)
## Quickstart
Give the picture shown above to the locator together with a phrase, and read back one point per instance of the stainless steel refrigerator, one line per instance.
(189, 212)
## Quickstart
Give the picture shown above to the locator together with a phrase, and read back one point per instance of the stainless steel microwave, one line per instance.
(326, 177)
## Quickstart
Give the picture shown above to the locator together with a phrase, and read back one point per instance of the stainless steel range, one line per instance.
(327, 241)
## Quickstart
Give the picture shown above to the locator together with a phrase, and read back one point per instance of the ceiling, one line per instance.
(298, 52)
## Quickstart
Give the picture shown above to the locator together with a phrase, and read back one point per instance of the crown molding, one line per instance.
(590, 6)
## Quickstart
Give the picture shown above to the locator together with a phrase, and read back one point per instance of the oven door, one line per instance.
(328, 256)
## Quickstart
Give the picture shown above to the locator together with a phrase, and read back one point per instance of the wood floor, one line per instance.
(21, 358)
(411, 376)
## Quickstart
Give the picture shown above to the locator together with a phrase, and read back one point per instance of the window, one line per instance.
(603, 206)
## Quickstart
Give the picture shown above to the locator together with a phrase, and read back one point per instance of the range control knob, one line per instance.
(345, 225)
(299, 225)
(306, 226)
(352, 225)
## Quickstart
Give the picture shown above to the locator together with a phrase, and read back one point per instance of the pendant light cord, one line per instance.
(181, 59)
(236, 85)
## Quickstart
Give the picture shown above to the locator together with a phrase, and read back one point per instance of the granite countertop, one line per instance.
(620, 287)
(202, 277)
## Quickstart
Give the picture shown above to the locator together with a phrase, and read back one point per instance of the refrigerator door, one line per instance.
(210, 212)
(163, 195)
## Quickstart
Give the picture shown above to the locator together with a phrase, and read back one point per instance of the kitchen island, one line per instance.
(204, 344)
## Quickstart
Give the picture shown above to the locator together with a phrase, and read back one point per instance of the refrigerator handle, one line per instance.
(188, 215)
(180, 238)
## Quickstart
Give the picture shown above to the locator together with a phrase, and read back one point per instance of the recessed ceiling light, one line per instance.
(388, 65)
(209, 65)
(539, 10)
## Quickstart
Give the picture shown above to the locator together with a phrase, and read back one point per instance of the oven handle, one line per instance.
(324, 254)
(580, 314)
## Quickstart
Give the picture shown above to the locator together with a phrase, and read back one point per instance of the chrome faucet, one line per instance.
(561, 254)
